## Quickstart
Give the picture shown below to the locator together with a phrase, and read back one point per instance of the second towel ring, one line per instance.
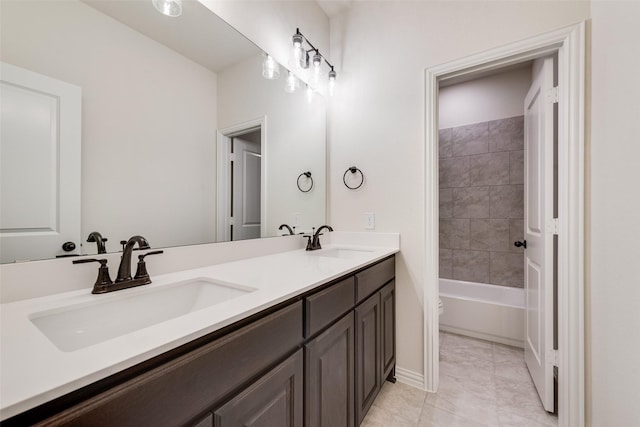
(308, 175)
(353, 170)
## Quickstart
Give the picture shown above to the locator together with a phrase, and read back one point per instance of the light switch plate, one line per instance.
(295, 219)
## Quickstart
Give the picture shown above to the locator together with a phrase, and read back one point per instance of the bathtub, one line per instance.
(490, 312)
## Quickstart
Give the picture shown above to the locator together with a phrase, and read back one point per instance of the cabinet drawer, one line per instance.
(369, 280)
(327, 305)
(170, 394)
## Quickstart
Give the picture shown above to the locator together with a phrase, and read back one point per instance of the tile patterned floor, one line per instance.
(481, 384)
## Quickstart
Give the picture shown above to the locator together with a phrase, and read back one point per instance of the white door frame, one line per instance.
(569, 44)
(223, 175)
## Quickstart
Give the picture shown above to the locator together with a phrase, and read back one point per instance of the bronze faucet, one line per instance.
(313, 242)
(124, 280)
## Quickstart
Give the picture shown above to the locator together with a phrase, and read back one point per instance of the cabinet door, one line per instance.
(388, 328)
(330, 376)
(368, 354)
(273, 400)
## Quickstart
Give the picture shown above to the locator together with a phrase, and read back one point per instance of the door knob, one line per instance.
(518, 244)
(68, 246)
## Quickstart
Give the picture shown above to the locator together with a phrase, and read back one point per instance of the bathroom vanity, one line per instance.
(312, 353)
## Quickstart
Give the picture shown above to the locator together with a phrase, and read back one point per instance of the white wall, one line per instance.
(139, 151)
(296, 140)
(613, 226)
(493, 97)
(381, 50)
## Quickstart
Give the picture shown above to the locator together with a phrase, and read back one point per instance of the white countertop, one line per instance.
(33, 370)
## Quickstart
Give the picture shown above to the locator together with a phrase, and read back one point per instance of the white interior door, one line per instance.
(39, 165)
(246, 186)
(538, 230)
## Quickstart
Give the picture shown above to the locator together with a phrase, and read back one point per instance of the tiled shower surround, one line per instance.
(481, 202)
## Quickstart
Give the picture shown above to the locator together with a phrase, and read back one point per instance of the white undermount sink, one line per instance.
(343, 253)
(77, 326)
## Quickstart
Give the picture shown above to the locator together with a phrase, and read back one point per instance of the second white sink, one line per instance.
(78, 326)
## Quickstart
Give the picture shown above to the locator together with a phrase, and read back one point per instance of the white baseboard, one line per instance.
(411, 378)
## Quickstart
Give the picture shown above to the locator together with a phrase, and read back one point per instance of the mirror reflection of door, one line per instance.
(39, 166)
(245, 186)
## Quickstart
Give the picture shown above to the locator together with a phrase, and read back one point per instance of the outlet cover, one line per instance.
(369, 221)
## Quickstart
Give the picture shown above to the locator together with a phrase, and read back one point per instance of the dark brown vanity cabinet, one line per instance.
(348, 362)
(317, 360)
(375, 333)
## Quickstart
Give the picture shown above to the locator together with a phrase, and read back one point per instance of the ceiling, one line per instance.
(334, 7)
(218, 44)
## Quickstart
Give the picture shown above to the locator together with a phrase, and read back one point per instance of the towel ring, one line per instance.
(308, 175)
(353, 169)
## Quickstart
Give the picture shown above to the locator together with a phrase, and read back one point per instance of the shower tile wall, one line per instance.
(482, 202)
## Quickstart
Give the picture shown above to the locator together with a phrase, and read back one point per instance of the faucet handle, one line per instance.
(141, 271)
(141, 257)
(103, 279)
(84, 261)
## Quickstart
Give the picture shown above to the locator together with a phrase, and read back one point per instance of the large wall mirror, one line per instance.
(120, 120)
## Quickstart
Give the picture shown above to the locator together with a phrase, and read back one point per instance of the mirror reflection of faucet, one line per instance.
(289, 229)
(124, 280)
(96, 237)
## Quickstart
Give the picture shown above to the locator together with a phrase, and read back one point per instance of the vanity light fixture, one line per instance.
(171, 8)
(301, 60)
(270, 68)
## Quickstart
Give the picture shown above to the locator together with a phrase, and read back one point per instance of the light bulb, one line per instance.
(295, 59)
(332, 82)
(171, 8)
(317, 60)
(292, 83)
(309, 93)
(270, 68)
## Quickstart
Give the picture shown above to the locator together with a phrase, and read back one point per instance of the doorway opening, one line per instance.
(567, 235)
(241, 181)
(496, 185)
